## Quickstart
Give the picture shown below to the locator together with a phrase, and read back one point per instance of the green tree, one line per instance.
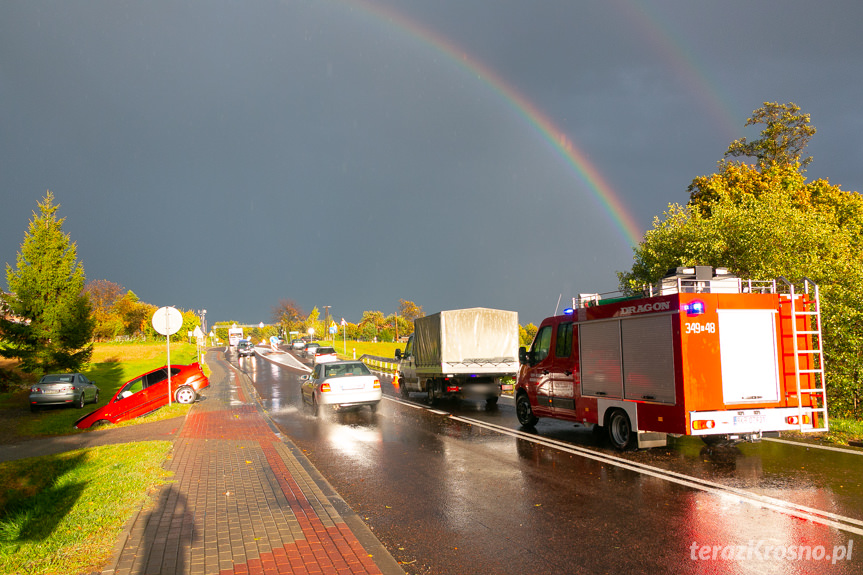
(765, 221)
(372, 323)
(314, 321)
(135, 315)
(289, 315)
(786, 134)
(47, 284)
(526, 334)
(409, 310)
(103, 296)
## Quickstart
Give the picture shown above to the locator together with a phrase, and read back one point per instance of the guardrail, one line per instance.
(387, 364)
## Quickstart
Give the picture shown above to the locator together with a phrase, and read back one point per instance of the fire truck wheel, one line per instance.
(524, 412)
(620, 432)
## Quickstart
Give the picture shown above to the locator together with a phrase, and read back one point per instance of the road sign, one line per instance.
(167, 320)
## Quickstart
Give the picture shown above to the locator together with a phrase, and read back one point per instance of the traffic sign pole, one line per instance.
(168, 321)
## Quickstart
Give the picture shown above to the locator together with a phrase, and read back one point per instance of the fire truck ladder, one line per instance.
(812, 355)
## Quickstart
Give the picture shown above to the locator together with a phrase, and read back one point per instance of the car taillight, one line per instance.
(699, 424)
(451, 388)
(377, 384)
(795, 420)
(325, 387)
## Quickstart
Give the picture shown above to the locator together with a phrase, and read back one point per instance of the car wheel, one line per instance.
(34, 408)
(491, 401)
(524, 412)
(80, 403)
(374, 407)
(101, 423)
(620, 431)
(185, 395)
(315, 409)
(96, 397)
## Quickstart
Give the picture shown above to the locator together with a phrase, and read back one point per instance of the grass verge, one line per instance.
(381, 349)
(842, 432)
(62, 514)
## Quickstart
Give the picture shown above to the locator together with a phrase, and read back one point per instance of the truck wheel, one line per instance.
(620, 431)
(524, 412)
(403, 388)
(430, 385)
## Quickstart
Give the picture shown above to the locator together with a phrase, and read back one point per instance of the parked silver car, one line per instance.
(63, 389)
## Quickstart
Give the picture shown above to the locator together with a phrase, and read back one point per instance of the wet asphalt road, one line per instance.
(460, 489)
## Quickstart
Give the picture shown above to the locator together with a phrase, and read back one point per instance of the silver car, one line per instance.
(63, 389)
(341, 385)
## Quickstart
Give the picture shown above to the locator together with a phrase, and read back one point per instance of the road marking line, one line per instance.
(826, 518)
(764, 501)
(297, 363)
(813, 445)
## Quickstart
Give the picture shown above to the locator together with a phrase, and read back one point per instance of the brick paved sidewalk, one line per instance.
(243, 501)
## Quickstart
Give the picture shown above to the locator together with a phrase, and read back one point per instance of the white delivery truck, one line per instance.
(235, 334)
(463, 353)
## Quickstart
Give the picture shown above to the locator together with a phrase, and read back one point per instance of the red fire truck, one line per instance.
(701, 353)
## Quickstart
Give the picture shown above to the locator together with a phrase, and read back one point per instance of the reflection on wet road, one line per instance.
(462, 489)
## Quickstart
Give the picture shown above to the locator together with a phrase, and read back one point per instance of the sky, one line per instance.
(225, 155)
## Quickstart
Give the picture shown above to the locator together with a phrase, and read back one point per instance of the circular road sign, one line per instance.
(167, 320)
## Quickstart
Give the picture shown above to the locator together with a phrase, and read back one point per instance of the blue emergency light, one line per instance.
(568, 311)
(696, 307)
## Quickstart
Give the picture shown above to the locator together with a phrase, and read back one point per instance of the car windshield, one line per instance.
(346, 369)
(324, 350)
(57, 379)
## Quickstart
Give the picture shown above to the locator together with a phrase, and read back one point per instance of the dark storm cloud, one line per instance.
(223, 155)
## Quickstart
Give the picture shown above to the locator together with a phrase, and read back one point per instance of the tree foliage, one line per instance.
(47, 286)
(764, 221)
(409, 310)
(103, 296)
(786, 134)
(289, 315)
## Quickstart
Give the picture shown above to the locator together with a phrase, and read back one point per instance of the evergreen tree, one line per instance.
(55, 326)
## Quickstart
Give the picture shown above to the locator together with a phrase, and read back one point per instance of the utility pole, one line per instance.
(327, 318)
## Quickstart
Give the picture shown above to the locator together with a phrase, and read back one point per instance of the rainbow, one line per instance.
(563, 145)
(680, 58)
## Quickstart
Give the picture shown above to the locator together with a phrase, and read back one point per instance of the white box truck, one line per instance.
(462, 353)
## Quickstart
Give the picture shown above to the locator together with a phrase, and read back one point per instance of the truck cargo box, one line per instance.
(472, 340)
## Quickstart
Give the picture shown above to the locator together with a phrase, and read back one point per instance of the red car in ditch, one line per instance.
(147, 393)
